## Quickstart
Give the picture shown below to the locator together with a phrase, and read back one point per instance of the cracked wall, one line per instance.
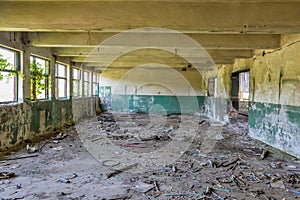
(274, 113)
(21, 123)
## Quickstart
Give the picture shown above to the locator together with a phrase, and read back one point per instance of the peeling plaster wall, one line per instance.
(24, 122)
(158, 79)
(274, 114)
(85, 107)
(155, 89)
(30, 121)
(217, 107)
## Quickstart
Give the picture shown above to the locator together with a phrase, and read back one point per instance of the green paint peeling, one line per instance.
(217, 108)
(156, 103)
(35, 118)
(25, 120)
(14, 133)
(276, 125)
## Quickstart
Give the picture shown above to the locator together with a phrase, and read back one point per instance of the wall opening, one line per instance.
(240, 95)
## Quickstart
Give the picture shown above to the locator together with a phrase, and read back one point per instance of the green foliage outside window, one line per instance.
(5, 65)
(38, 82)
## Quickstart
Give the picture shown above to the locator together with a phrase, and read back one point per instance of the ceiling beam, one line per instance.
(212, 54)
(186, 1)
(141, 62)
(112, 53)
(93, 39)
(228, 16)
(204, 68)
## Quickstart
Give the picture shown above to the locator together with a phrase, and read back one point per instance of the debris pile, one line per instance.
(235, 167)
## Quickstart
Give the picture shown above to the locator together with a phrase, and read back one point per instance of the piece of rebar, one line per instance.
(121, 170)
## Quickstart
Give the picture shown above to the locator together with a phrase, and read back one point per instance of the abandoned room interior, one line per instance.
(142, 99)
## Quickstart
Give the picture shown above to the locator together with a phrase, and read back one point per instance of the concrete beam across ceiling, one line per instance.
(208, 41)
(277, 17)
(108, 54)
(142, 62)
(210, 54)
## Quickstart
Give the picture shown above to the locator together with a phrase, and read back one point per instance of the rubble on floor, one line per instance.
(236, 167)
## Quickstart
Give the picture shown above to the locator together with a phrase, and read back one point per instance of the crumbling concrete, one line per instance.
(275, 110)
(233, 168)
(24, 122)
(274, 94)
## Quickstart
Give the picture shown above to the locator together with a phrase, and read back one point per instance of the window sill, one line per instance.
(12, 103)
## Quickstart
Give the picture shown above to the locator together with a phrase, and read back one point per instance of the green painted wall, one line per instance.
(28, 121)
(49, 114)
(217, 108)
(157, 103)
(277, 125)
(274, 112)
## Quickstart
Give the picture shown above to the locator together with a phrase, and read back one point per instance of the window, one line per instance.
(86, 83)
(76, 82)
(61, 80)
(95, 85)
(212, 87)
(9, 66)
(244, 86)
(39, 72)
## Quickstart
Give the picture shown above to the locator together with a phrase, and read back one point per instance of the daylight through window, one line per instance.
(9, 66)
(39, 82)
(86, 83)
(61, 80)
(76, 82)
(95, 85)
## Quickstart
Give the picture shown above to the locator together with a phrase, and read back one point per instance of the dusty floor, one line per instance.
(228, 165)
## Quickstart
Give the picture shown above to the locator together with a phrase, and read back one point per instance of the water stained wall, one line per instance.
(31, 121)
(277, 125)
(274, 114)
(274, 106)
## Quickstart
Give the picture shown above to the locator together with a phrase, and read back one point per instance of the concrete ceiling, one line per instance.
(227, 29)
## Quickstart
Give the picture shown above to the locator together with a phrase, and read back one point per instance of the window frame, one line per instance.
(15, 71)
(78, 81)
(47, 76)
(88, 84)
(95, 82)
(57, 78)
(244, 86)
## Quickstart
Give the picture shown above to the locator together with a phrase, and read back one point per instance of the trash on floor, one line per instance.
(143, 187)
(7, 175)
(31, 149)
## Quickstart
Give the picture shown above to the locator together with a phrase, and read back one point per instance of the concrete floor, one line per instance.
(67, 166)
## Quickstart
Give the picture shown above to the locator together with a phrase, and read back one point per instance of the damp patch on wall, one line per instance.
(277, 125)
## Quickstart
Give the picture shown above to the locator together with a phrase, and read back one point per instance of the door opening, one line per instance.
(239, 94)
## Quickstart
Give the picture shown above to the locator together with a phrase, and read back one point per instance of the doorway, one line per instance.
(240, 92)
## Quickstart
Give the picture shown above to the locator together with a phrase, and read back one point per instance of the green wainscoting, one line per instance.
(277, 125)
(157, 103)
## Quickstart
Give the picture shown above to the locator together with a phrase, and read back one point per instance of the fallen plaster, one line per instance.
(236, 167)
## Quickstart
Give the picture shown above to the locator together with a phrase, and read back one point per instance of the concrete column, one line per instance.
(82, 81)
(26, 73)
(92, 80)
(71, 80)
(52, 77)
